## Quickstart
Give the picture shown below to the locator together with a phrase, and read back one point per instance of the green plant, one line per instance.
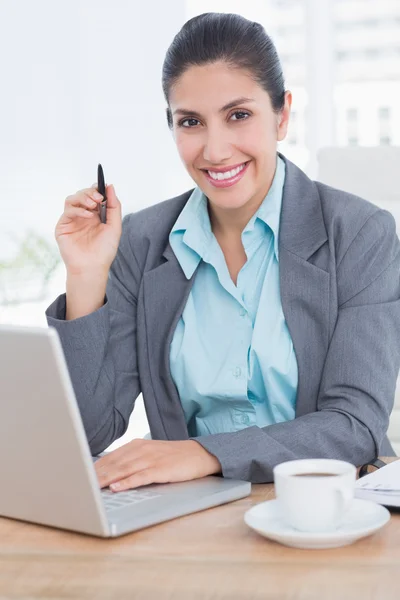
(26, 276)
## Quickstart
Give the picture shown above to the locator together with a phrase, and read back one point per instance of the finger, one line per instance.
(122, 461)
(72, 212)
(88, 191)
(93, 192)
(83, 197)
(109, 478)
(131, 449)
(113, 206)
(106, 471)
(122, 470)
(112, 200)
(82, 201)
(144, 477)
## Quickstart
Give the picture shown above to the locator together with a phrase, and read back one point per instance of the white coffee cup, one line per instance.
(315, 502)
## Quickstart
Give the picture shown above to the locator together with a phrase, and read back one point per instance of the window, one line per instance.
(384, 125)
(367, 72)
(384, 113)
(352, 126)
(352, 115)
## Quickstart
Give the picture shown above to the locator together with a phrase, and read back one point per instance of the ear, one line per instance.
(283, 119)
(169, 117)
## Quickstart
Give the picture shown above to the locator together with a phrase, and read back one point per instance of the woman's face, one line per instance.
(210, 135)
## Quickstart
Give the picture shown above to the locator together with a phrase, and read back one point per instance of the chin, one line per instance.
(228, 202)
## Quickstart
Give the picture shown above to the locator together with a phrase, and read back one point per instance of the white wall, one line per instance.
(81, 84)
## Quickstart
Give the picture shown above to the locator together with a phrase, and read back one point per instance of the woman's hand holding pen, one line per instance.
(86, 244)
(88, 248)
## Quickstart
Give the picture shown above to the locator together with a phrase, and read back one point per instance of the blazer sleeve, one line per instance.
(100, 350)
(359, 377)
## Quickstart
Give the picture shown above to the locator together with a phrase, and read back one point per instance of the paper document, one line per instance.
(381, 486)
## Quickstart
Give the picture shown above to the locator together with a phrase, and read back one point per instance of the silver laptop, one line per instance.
(47, 472)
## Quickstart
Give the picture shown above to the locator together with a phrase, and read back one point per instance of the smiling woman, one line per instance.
(258, 313)
(235, 111)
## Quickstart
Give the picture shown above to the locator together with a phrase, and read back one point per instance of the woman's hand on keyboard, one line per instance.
(142, 462)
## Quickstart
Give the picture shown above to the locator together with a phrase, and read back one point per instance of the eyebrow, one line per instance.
(232, 104)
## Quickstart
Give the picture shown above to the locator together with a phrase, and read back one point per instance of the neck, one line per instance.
(229, 223)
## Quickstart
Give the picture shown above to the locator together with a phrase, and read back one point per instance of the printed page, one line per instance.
(381, 486)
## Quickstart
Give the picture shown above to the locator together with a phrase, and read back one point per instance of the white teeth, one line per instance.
(227, 174)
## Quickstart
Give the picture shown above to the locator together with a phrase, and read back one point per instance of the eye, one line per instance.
(193, 121)
(181, 123)
(241, 112)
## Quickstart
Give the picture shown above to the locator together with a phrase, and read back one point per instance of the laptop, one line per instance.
(47, 472)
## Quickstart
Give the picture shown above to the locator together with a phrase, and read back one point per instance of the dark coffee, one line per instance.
(316, 474)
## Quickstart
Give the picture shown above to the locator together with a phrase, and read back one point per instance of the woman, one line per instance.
(259, 314)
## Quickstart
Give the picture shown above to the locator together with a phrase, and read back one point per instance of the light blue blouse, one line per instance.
(231, 355)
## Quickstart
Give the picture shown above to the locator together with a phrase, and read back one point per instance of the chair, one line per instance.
(374, 174)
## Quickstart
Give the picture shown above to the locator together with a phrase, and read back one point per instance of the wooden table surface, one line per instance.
(211, 554)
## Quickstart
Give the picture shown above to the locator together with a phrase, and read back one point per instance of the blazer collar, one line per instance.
(302, 229)
(305, 293)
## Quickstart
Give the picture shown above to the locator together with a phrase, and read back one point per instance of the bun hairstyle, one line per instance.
(242, 44)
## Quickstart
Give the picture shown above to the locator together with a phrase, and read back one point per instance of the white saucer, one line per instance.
(363, 518)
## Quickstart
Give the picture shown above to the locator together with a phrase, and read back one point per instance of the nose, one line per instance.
(217, 148)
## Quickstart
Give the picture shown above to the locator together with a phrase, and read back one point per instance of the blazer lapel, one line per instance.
(304, 296)
(304, 286)
(166, 290)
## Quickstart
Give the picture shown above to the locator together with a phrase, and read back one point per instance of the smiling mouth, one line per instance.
(227, 178)
(241, 165)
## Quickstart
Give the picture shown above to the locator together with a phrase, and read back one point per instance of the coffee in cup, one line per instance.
(314, 494)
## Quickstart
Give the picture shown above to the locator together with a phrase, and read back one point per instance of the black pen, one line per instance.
(101, 187)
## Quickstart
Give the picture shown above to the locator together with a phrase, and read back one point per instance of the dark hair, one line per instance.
(231, 38)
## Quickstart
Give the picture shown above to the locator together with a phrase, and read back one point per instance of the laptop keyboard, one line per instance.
(113, 500)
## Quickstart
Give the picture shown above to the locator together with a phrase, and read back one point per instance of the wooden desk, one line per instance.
(210, 554)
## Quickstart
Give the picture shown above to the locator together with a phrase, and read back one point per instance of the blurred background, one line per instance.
(81, 84)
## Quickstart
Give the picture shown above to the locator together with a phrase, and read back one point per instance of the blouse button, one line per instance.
(245, 419)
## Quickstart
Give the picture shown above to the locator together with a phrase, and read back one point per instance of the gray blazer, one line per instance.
(340, 291)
